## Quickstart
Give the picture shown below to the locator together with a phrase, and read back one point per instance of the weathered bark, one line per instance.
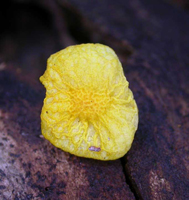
(151, 38)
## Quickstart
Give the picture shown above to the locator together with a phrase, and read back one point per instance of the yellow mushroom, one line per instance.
(88, 111)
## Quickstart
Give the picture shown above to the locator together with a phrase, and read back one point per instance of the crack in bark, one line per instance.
(130, 182)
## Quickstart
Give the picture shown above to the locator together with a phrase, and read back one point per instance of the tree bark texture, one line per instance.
(151, 39)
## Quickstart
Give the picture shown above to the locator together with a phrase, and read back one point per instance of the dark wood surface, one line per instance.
(152, 41)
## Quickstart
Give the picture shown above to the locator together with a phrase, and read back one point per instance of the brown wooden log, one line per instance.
(152, 40)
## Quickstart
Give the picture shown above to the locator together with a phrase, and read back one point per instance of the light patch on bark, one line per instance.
(157, 184)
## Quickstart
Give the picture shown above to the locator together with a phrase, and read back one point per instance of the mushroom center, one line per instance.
(88, 103)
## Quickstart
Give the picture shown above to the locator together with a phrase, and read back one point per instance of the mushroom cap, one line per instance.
(88, 111)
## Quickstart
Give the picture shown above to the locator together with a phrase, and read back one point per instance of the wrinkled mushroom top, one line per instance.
(88, 110)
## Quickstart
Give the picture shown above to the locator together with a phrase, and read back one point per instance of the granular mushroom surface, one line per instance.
(88, 111)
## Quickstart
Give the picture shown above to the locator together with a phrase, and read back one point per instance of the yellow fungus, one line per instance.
(88, 110)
